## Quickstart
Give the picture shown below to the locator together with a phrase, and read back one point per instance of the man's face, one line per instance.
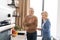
(31, 12)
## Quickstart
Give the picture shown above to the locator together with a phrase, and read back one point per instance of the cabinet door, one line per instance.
(5, 35)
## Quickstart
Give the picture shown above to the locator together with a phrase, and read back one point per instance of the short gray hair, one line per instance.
(45, 13)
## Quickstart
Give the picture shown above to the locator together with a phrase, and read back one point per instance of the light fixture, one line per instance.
(13, 4)
(16, 3)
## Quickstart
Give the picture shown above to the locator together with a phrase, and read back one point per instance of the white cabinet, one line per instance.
(19, 37)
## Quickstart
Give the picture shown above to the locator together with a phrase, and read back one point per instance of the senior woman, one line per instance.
(45, 26)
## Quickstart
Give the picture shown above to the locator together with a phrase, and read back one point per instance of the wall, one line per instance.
(5, 10)
(58, 21)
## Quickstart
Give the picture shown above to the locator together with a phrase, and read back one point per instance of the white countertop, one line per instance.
(6, 27)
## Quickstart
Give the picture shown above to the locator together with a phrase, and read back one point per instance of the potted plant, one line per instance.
(19, 29)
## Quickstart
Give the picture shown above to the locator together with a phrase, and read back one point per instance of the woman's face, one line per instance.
(44, 16)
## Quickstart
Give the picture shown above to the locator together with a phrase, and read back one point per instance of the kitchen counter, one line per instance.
(3, 28)
(20, 36)
(5, 32)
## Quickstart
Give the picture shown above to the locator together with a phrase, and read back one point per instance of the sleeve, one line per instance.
(35, 23)
(47, 26)
(25, 23)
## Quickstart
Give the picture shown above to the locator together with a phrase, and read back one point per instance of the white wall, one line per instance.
(5, 10)
(58, 21)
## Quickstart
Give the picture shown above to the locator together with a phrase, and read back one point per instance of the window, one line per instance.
(51, 7)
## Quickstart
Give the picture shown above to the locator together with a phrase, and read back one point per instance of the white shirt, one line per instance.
(44, 21)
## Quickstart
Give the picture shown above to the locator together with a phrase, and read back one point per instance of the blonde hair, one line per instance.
(45, 13)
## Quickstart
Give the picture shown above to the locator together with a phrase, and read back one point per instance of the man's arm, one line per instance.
(35, 23)
(26, 23)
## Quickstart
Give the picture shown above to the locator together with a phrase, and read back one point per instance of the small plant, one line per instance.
(18, 28)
